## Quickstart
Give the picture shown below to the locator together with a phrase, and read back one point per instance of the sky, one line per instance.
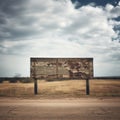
(59, 28)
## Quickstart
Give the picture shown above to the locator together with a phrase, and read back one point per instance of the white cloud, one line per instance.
(56, 28)
(109, 7)
(119, 3)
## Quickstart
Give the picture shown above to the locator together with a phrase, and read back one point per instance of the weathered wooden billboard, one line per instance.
(61, 68)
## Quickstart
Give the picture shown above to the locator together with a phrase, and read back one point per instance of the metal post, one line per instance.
(35, 86)
(87, 87)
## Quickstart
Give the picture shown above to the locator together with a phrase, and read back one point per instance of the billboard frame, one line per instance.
(33, 73)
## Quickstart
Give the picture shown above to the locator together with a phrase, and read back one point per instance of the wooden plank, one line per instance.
(87, 87)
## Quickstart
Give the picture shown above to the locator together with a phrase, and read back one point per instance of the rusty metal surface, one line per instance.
(61, 68)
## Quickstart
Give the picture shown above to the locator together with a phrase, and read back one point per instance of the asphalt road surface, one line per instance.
(60, 109)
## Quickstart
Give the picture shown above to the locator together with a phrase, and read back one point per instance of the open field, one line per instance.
(62, 89)
(60, 100)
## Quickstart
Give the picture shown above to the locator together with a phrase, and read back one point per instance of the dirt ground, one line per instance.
(88, 108)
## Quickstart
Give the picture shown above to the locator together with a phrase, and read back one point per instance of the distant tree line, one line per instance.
(29, 80)
(16, 79)
(107, 77)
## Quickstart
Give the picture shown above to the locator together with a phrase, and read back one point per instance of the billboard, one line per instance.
(61, 68)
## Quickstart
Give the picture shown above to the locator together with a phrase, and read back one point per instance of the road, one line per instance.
(60, 109)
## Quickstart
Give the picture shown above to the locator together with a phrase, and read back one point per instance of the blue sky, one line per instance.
(97, 2)
(59, 28)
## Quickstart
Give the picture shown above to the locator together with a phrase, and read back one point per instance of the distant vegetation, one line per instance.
(29, 80)
(108, 77)
(16, 79)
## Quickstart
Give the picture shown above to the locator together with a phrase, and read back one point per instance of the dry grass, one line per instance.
(68, 88)
(105, 87)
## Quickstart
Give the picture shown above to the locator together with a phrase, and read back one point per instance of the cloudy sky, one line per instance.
(59, 28)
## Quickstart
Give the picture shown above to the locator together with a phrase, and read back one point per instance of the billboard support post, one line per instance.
(87, 87)
(35, 86)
